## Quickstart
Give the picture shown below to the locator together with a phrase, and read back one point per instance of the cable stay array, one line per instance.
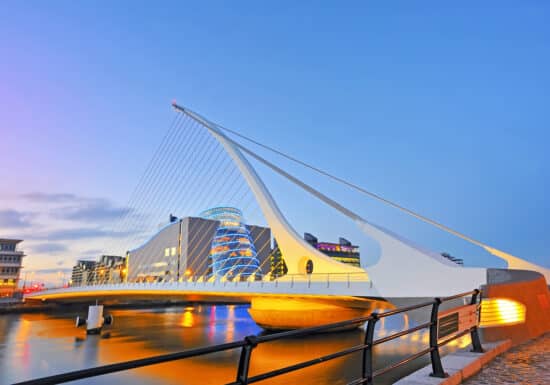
(512, 261)
(190, 172)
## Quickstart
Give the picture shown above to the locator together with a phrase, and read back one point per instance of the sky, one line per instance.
(442, 107)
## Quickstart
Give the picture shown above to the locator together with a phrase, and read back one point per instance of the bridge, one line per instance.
(315, 288)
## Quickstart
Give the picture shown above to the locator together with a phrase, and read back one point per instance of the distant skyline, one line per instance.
(440, 107)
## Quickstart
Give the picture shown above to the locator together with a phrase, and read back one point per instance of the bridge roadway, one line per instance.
(289, 302)
(315, 285)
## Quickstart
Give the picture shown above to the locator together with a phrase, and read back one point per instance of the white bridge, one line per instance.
(315, 282)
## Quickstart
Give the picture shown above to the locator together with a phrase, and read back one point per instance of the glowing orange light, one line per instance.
(501, 312)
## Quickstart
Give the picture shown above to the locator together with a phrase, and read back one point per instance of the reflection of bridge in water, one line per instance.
(316, 289)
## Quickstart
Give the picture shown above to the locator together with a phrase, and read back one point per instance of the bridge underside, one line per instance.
(191, 296)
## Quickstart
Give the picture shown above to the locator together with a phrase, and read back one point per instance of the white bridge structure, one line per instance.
(316, 288)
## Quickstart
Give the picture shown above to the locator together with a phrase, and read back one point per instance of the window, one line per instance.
(167, 252)
(173, 251)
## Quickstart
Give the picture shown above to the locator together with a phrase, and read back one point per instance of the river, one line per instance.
(41, 344)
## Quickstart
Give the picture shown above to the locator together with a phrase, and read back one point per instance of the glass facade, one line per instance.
(232, 254)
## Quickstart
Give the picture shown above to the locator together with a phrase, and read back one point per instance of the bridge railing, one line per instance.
(290, 280)
(444, 327)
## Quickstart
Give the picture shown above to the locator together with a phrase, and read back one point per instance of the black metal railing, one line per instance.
(249, 343)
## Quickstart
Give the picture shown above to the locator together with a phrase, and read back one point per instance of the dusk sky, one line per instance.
(442, 107)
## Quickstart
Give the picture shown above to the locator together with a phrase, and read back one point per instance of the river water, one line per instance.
(36, 345)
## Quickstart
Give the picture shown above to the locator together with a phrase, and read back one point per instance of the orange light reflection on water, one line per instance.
(138, 334)
(187, 319)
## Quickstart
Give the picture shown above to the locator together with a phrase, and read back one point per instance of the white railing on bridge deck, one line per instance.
(355, 284)
(288, 279)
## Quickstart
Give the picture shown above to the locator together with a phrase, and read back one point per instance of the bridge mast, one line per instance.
(512, 261)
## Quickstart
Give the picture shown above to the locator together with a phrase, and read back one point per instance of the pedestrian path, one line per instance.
(528, 363)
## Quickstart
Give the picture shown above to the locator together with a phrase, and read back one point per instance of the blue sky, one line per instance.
(441, 107)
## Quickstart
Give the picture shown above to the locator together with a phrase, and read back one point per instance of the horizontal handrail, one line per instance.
(120, 366)
(249, 343)
(302, 365)
(313, 277)
(402, 333)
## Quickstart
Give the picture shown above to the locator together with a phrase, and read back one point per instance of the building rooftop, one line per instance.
(9, 240)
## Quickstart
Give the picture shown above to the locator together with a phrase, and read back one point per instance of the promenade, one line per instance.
(528, 363)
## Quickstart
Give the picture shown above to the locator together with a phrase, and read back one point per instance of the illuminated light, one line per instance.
(464, 341)
(159, 264)
(501, 312)
(231, 242)
(188, 272)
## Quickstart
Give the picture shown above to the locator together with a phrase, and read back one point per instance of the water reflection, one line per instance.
(187, 317)
(34, 345)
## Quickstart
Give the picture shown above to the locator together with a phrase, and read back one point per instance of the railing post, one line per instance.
(244, 360)
(367, 351)
(474, 334)
(437, 367)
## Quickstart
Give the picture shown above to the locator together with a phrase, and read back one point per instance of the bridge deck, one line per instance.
(217, 290)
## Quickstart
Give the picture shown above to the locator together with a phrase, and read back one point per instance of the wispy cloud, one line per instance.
(74, 207)
(81, 233)
(49, 248)
(13, 218)
(95, 210)
(43, 197)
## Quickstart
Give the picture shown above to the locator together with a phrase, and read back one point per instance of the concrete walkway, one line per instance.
(528, 363)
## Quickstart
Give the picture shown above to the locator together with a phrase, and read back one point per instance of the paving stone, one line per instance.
(528, 363)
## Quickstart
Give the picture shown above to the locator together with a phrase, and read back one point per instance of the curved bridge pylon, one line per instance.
(404, 268)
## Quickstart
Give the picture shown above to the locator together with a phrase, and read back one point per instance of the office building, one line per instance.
(83, 273)
(182, 248)
(109, 269)
(11, 259)
(343, 251)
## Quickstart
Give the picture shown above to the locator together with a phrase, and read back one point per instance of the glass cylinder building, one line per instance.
(232, 255)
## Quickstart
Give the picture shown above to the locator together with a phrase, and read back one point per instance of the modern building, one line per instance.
(11, 259)
(232, 254)
(83, 273)
(109, 269)
(181, 249)
(343, 251)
